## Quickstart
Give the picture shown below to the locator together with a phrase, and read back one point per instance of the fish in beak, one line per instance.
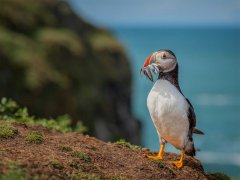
(150, 67)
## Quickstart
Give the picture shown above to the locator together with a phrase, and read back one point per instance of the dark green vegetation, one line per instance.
(53, 62)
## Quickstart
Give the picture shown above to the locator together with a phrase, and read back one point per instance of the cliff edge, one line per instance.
(34, 152)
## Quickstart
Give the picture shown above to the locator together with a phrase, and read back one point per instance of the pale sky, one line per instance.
(160, 12)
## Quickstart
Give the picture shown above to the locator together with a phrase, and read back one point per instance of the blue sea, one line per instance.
(209, 61)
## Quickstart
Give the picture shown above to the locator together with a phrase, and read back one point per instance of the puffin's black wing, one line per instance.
(191, 115)
(192, 119)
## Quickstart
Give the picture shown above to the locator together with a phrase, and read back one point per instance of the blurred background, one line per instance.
(205, 36)
(83, 57)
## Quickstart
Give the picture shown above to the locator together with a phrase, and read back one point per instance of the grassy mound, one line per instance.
(76, 156)
(7, 130)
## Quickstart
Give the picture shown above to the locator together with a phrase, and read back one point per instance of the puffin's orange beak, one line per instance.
(147, 61)
(146, 70)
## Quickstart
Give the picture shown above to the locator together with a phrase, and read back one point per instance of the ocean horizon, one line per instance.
(209, 61)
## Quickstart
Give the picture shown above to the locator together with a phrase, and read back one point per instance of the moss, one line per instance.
(74, 176)
(34, 137)
(83, 156)
(127, 144)
(116, 178)
(56, 164)
(65, 148)
(15, 172)
(159, 163)
(218, 176)
(7, 130)
(84, 176)
(89, 176)
(73, 164)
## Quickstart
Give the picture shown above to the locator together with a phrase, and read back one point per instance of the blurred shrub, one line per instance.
(10, 111)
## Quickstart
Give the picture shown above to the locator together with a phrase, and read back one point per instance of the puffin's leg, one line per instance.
(179, 163)
(160, 154)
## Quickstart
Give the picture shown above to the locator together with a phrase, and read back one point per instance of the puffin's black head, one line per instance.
(160, 61)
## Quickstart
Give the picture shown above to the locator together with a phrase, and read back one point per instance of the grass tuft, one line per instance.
(11, 111)
(7, 130)
(83, 156)
(89, 176)
(116, 178)
(73, 164)
(56, 164)
(34, 137)
(124, 143)
(65, 148)
(159, 163)
(15, 172)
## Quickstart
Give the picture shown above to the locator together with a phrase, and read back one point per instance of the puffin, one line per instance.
(171, 112)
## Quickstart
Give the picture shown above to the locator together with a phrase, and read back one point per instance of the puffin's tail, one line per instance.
(190, 149)
(197, 131)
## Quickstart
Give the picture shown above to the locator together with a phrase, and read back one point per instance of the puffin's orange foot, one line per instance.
(178, 164)
(155, 157)
(160, 154)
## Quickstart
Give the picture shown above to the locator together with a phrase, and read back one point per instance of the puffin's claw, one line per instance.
(155, 157)
(178, 164)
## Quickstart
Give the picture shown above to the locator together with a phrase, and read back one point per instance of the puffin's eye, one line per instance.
(164, 56)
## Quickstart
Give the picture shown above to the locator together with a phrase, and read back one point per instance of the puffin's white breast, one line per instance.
(168, 109)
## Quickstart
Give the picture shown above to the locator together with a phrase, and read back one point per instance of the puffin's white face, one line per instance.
(166, 61)
(160, 61)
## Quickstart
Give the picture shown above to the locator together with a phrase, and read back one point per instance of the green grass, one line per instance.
(10, 111)
(159, 163)
(116, 178)
(7, 130)
(65, 148)
(89, 176)
(34, 137)
(56, 164)
(83, 156)
(73, 164)
(124, 143)
(15, 172)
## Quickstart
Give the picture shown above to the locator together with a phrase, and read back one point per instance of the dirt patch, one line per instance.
(76, 156)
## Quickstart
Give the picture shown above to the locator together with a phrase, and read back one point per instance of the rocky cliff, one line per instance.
(54, 62)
